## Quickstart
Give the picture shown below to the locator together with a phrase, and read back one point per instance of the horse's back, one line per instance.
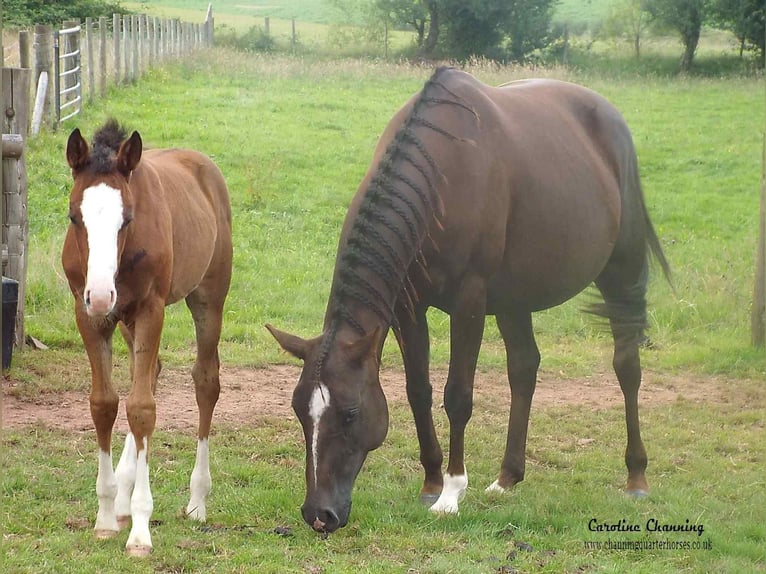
(535, 203)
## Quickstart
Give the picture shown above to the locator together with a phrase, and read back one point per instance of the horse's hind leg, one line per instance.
(625, 305)
(523, 361)
(206, 306)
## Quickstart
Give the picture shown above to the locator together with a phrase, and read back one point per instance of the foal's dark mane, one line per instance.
(394, 205)
(106, 144)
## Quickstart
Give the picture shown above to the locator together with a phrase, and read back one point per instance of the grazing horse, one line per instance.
(479, 201)
(148, 227)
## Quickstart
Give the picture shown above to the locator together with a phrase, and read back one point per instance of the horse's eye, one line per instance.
(73, 219)
(126, 221)
(350, 415)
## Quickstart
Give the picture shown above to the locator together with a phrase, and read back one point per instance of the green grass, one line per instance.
(311, 129)
(49, 502)
(293, 137)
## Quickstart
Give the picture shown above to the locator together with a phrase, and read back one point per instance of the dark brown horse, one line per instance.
(479, 201)
(148, 228)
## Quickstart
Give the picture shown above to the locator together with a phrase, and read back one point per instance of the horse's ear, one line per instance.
(365, 347)
(76, 150)
(293, 344)
(129, 154)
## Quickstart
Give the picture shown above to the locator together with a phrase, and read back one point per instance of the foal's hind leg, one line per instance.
(206, 306)
(523, 361)
(626, 308)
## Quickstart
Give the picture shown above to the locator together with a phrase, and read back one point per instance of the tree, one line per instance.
(745, 18)
(685, 17)
(628, 19)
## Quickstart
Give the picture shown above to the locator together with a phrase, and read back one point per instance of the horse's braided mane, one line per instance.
(106, 144)
(401, 205)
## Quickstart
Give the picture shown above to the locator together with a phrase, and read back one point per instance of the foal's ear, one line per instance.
(76, 150)
(365, 347)
(293, 344)
(129, 154)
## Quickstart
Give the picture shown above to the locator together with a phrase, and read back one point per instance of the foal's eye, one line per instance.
(73, 219)
(126, 221)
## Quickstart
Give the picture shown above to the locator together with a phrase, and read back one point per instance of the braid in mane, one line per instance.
(401, 205)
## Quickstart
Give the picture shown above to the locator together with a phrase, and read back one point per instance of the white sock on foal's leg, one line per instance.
(106, 490)
(200, 484)
(453, 492)
(141, 506)
(126, 478)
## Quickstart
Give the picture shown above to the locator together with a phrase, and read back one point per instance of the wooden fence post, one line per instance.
(91, 67)
(15, 120)
(758, 311)
(117, 43)
(43, 48)
(102, 56)
(24, 49)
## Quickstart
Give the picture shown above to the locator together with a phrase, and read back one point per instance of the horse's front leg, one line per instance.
(104, 401)
(466, 331)
(142, 412)
(523, 361)
(415, 346)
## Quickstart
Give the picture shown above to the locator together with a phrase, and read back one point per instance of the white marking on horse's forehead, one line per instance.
(101, 207)
(318, 404)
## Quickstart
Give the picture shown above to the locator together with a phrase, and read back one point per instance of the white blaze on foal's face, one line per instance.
(102, 216)
(320, 401)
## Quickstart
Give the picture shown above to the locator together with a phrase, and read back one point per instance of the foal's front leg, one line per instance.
(142, 412)
(103, 409)
(466, 331)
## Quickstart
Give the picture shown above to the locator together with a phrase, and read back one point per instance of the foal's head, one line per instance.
(100, 210)
(343, 411)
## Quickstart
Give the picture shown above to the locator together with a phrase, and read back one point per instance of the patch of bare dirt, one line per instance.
(249, 395)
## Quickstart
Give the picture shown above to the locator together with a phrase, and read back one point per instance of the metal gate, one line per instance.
(67, 74)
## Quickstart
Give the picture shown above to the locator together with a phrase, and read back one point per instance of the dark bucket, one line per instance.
(10, 303)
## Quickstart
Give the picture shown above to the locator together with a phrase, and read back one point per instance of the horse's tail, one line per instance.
(654, 242)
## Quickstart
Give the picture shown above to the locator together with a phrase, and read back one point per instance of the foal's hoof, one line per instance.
(138, 550)
(104, 534)
(428, 499)
(637, 493)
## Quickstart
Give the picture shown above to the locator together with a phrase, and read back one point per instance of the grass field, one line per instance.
(293, 137)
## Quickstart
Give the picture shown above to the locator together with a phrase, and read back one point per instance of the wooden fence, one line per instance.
(80, 60)
(71, 67)
(15, 91)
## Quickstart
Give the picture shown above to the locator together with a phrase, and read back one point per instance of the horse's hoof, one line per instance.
(104, 534)
(123, 521)
(428, 499)
(637, 493)
(138, 550)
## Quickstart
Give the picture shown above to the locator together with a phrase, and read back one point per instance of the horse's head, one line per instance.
(343, 411)
(100, 209)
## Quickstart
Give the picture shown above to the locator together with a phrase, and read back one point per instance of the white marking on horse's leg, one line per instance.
(495, 487)
(106, 490)
(102, 216)
(320, 401)
(200, 484)
(452, 493)
(126, 478)
(141, 506)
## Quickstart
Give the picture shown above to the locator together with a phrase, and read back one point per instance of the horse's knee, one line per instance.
(142, 415)
(458, 402)
(103, 410)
